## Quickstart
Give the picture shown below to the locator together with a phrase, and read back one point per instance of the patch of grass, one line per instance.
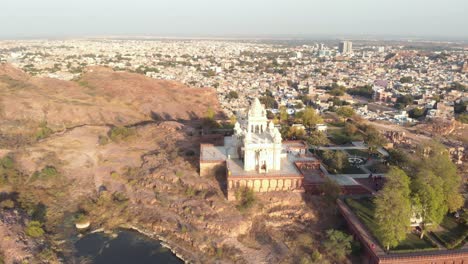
(8, 172)
(339, 138)
(43, 131)
(358, 152)
(47, 173)
(454, 233)
(84, 84)
(115, 175)
(414, 243)
(364, 210)
(350, 170)
(117, 134)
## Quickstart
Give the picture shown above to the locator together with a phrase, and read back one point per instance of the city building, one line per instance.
(345, 47)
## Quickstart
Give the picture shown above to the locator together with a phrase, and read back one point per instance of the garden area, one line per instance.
(452, 233)
(364, 210)
(336, 162)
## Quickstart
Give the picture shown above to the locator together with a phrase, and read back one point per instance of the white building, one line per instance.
(256, 141)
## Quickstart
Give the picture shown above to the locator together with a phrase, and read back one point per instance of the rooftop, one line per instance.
(288, 168)
(212, 153)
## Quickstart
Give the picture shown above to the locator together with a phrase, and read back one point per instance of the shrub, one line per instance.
(121, 133)
(47, 173)
(190, 191)
(338, 244)
(48, 255)
(7, 162)
(81, 219)
(115, 175)
(119, 197)
(43, 131)
(8, 171)
(34, 229)
(7, 204)
(316, 256)
(245, 197)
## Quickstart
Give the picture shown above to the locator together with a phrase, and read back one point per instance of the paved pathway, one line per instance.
(359, 176)
(342, 147)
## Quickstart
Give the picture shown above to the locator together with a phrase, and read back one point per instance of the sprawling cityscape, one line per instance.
(313, 139)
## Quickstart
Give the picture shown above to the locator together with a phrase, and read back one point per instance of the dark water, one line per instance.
(128, 247)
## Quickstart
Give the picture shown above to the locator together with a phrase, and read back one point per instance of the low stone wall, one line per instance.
(265, 184)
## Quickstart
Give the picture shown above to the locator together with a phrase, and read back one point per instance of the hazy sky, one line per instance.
(49, 18)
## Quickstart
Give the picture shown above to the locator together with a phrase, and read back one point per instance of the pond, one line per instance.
(127, 247)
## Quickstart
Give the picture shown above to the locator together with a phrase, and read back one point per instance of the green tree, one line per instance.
(438, 161)
(310, 117)
(317, 138)
(283, 113)
(335, 160)
(398, 158)
(337, 244)
(416, 112)
(350, 129)
(374, 139)
(428, 199)
(210, 113)
(299, 105)
(232, 95)
(233, 120)
(331, 190)
(296, 133)
(406, 79)
(268, 101)
(393, 208)
(345, 112)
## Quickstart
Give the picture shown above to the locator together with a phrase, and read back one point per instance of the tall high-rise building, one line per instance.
(345, 47)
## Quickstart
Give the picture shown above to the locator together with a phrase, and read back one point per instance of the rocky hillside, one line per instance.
(101, 96)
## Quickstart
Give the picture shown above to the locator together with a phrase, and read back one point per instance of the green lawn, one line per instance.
(413, 242)
(350, 170)
(454, 233)
(364, 209)
(358, 152)
(338, 138)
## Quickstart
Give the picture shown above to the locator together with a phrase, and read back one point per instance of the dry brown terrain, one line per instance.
(100, 97)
